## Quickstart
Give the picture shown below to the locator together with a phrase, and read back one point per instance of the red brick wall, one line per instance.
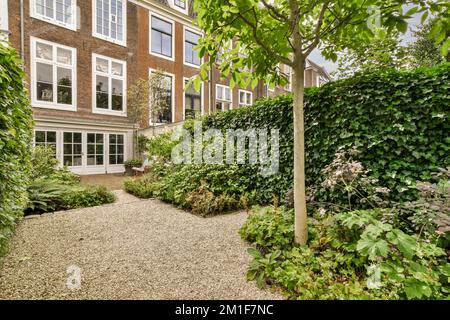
(86, 45)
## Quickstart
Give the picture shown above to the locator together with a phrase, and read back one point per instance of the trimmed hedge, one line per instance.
(399, 121)
(15, 140)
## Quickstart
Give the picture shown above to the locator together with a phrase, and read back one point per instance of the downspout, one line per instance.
(22, 31)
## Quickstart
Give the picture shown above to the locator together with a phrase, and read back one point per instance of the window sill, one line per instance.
(105, 38)
(43, 105)
(72, 27)
(110, 113)
(162, 56)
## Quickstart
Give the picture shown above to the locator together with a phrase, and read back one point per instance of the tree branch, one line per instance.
(318, 29)
(275, 13)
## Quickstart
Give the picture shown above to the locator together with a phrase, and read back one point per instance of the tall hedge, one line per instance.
(15, 141)
(399, 121)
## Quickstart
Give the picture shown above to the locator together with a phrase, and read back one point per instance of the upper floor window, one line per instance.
(288, 74)
(223, 98)
(192, 102)
(191, 40)
(109, 85)
(110, 20)
(60, 12)
(245, 98)
(163, 113)
(53, 78)
(180, 4)
(161, 37)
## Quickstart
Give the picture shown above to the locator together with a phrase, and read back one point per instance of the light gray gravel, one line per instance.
(133, 249)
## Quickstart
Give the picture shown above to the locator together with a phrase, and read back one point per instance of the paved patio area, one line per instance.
(134, 249)
(110, 181)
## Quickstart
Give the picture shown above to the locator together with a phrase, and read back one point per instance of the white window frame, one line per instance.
(108, 111)
(70, 26)
(185, 10)
(202, 91)
(185, 28)
(222, 100)
(165, 19)
(45, 104)
(108, 38)
(245, 103)
(173, 95)
(288, 87)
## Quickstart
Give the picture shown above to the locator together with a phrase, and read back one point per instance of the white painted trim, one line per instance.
(222, 100)
(122, 43)
(202, 95)
(165, 19)
(173, 94)
(164, 11)
(246, 104)
(53, 105)
(71, 26)
(174, 6)
(110, 77)
(186, 28)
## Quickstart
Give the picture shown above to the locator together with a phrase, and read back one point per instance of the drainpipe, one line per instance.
(22, 31)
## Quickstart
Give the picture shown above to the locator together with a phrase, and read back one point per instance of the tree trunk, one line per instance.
(301, 224)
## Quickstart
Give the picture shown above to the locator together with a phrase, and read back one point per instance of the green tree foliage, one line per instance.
(382, 52)
(425, 52)
(266, 34)
(398, 120)
(15, 141)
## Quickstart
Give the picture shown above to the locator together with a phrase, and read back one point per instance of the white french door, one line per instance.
(93, 152)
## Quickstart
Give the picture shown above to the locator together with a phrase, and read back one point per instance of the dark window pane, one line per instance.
(51, 136)
(112, 138)
(67, 149)
(112, 160)
(99, 149)
(68, 161)
(91, 149)
(120, 139)
(99, 138)
(77, 137)
(65, 95)
(99, 160)
(77, 161)
(91, 138)
(67, 137)
(120, 149)
(112, 149)
(91, 160)
(120, 159)
(40, 136)
(77, 149)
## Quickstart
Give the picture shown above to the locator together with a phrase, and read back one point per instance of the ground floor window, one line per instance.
(95, 149)
(116, 149)
(73, 149)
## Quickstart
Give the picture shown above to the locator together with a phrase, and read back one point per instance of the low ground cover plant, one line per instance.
(54, 189)
(396, 252)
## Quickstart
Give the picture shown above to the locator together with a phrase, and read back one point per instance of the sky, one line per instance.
(330, 66)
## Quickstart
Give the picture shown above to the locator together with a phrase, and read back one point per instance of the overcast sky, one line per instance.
(406, 38)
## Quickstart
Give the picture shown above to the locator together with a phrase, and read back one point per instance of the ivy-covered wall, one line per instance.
(15, 141)
(399, 121)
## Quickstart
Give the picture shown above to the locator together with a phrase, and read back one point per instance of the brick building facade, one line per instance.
(81, 56)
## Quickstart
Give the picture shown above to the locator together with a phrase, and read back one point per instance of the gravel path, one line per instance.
(133, 249)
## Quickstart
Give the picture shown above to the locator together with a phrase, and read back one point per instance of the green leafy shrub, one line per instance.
(86, 196)
(53, 188)
(205, 203)
(161, 145)
(352, 255)
(142, 187)
(399, 122)
(133, 163)
(15, 139)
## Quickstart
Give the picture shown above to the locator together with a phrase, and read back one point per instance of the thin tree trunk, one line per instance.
(301, 224)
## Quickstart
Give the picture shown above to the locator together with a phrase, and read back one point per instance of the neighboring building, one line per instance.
(82, 55)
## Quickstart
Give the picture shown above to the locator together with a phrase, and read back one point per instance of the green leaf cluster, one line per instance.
(15, 140)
